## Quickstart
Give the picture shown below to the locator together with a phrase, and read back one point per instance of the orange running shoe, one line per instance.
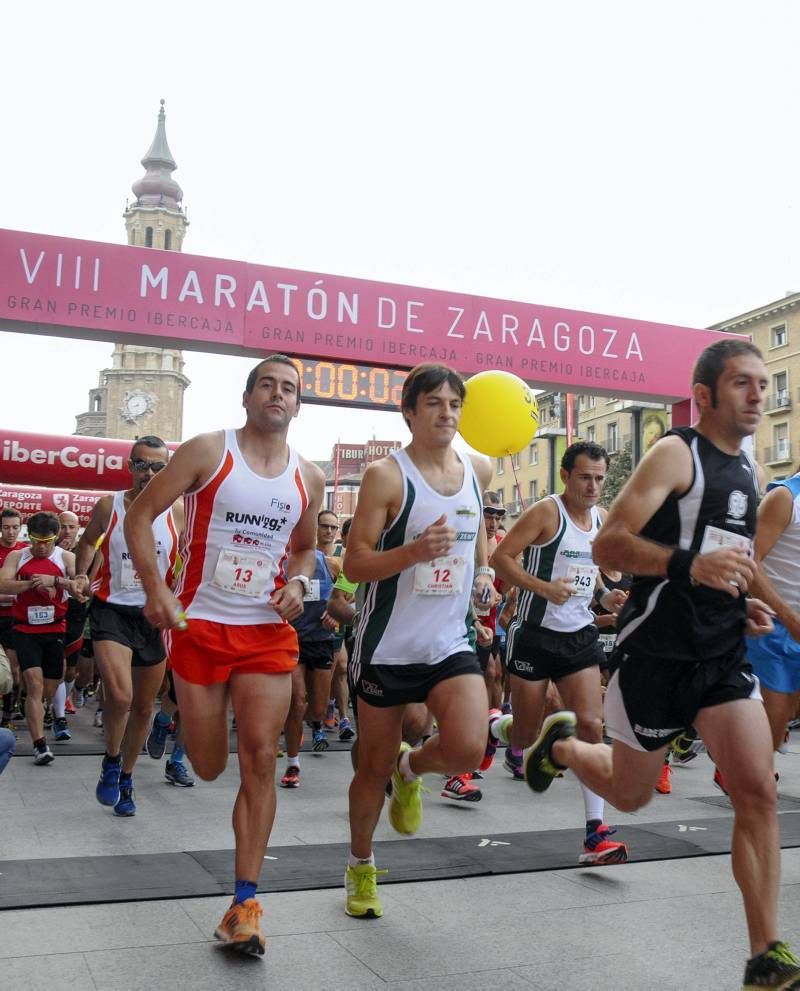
(664, 786)
(240, 929)
(598, 849)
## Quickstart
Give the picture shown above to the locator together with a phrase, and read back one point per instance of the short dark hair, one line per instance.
(280, 359)
(346, 526)
(8, 512)
(44, 525)
(588, 447)
(149, 440)
(326, 512)
(425, 379)
(711, 363)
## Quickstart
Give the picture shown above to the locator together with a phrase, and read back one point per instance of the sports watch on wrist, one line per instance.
(304, 581)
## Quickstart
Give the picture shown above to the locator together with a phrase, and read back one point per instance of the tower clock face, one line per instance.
(136, 404)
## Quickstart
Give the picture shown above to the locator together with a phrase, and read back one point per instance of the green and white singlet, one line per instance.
(567, 555)
(423, 615)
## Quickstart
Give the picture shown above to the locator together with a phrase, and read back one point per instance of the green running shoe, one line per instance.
(361, 886)
(540, 767)
(776, 967)
(405, 805)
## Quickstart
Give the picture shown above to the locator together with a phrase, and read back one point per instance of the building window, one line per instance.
(533, 455)
(613, 439)
(96, 404)
(148, 237)
(515, 460)
(779, 336)
(780, 389)
(500, 466)
(590, 434)
(501, 495)
(532, 492)
(168, 240)
(592, 402)
(581, 403)
(780, 438)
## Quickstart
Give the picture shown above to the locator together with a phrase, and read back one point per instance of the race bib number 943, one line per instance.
(583, 578)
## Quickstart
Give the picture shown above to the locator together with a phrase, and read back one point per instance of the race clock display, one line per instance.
(329, 383)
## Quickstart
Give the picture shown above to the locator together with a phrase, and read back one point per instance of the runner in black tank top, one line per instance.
(683, 523)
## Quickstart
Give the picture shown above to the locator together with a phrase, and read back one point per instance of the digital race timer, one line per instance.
(328, 383)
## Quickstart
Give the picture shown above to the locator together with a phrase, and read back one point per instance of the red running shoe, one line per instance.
(69, 708)
(461, 789)
(491, 743)
(599, 850)
(664, 786)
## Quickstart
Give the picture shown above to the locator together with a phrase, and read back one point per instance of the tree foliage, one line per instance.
(618, 474)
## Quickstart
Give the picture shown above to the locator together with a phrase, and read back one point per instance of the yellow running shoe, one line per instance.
(360, 883)
(405, 805)
(240, 929)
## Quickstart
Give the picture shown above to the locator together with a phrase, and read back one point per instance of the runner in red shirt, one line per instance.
(10, 525)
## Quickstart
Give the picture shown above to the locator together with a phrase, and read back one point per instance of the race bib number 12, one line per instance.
(442, 576)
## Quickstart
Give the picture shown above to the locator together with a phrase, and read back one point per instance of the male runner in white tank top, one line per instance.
(553, 636)
(417, 537)
(251, 513)
(129, 652)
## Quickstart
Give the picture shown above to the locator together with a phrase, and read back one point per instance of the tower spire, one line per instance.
(157, 188)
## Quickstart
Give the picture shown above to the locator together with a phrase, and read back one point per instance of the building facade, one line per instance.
(775, 329)
(142, 392)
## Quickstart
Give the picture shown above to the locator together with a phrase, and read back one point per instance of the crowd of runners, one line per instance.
(422, 632)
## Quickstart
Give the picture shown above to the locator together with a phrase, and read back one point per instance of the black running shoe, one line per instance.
(776, 967)
(540, 767)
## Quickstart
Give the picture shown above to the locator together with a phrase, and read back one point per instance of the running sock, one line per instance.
(501, 727)
(592, 825)
(244, 890)
(68, 686)
(293, 761)
(59, 700)
(594, 806)
(41, 742)
(316, 725)
(112, 759)
(162, 718)
(178, 753)
(404, 768)
(354, 861)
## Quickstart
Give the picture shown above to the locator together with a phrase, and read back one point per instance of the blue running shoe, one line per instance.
(175, 772)
(319, 742)
(513, 764)
(126, 805)
(157, 739)
(107, 790)
(61, 731)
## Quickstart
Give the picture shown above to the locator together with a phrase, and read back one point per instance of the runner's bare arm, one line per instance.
(95, 528)
(667, 468)
(192, 464)
(379, 501)
(287, 601)
(341, 606)
(537, 525)
(774, 515)
(9, 584)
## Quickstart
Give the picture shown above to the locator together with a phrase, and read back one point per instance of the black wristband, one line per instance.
(599, 593)
(679, 566)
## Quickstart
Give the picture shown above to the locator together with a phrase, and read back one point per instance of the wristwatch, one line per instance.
(304, 581)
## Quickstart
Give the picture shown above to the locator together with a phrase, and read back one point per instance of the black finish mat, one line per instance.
(192, 874)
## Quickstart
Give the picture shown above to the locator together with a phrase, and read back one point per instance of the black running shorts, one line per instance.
(537, 654)
(385, 685)
(41, 650)
(650, 701)
(126, 625)
(316, 655)
(6, 633)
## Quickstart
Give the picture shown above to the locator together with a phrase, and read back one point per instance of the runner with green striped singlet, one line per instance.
(419, 542)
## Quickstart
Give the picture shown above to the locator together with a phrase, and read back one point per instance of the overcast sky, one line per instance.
(621, 157)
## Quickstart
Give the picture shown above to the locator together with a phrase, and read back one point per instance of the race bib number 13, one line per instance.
(243, 573)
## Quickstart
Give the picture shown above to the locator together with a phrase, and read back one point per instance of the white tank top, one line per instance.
(119, 582)
(568, 554)
(237, 529)
(424, 614)
(782, 564)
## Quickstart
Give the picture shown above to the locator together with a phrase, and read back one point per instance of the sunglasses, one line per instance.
(41, 540)
(138, 464)
(491, 511)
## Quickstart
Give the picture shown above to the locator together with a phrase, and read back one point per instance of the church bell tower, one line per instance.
(142, 392)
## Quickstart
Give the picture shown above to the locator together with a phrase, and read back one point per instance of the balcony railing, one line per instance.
(779, 453)
(781, 399)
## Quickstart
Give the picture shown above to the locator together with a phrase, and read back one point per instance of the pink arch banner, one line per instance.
(88, 289)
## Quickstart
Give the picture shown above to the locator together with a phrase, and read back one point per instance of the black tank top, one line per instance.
(676, 620)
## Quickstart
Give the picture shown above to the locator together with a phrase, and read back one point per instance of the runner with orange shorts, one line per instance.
(251, 505)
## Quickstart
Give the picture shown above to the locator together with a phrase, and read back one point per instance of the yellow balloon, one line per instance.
(500, 414)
